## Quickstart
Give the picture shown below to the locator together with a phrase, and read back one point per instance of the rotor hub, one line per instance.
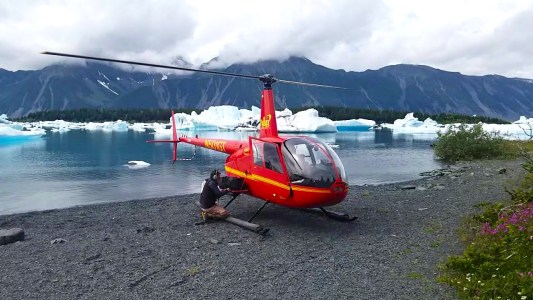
(267, 80)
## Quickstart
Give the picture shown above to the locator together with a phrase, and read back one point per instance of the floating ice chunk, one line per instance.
(137, 164)
(60, 129)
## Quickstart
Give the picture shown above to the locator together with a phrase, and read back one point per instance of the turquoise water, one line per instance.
(83, 167)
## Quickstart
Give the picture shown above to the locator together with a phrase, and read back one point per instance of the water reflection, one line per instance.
(82, 167)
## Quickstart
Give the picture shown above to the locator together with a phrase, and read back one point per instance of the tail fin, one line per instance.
(268, 126)
(175, 139)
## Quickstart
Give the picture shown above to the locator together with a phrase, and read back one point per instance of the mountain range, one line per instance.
(414, 88)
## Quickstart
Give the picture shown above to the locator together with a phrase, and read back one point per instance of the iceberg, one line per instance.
(306, 121)
(14, 132)
(3, 119)
(524, 120)
(355, 124)
(107, 126)
(138, 127)
(224, 117)
(411, 124)
(60, 125)
(521, 129)
(231, 118)
(191, 122)
(11, 134)
(215, 118)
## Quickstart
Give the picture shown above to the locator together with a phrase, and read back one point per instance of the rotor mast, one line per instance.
(268, 126)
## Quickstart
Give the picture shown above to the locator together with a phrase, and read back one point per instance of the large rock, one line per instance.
(12, 235)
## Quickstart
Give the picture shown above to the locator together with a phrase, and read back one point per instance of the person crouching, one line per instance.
(210, 194)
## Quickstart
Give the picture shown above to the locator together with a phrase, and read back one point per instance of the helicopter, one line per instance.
(292, 171)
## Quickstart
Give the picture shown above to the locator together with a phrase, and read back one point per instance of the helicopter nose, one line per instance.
(340, 189)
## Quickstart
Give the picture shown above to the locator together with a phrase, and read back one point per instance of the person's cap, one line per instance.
(214, 173)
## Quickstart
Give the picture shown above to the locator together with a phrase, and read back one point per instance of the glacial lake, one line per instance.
(84, 167)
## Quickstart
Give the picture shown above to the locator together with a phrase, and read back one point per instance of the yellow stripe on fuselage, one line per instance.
(311, 190)
(275, 183)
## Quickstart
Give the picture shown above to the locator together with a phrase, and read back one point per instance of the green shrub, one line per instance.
(498, 261)
(523, 193)
(462, 142)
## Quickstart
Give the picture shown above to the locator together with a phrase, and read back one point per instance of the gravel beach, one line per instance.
(152, 249)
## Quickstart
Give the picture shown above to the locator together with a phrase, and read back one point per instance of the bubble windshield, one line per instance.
(311, 162)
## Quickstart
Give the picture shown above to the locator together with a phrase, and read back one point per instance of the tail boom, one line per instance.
(220, 145)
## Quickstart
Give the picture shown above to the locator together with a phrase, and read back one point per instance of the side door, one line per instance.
(269, 171)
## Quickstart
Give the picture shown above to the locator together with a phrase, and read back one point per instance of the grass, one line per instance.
(435, 244)
(434, 228)
(193, 271)
(415, 275)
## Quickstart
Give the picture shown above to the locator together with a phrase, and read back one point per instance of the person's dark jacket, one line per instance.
(210, 193)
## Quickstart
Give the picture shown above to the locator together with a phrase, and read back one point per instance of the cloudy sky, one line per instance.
(474, 37)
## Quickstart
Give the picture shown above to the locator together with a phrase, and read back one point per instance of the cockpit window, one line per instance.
(308, 163)
(338, 162)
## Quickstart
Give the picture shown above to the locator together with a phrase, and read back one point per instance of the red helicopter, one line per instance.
(296, 172)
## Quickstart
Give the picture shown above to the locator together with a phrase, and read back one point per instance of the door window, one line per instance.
(266, 155)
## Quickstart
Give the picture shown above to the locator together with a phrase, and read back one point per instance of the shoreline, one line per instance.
(150, 248)
(192, 195)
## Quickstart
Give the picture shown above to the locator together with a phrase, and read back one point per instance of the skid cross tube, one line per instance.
(233, 198)
(258, 211)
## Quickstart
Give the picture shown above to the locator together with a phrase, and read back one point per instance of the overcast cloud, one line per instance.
(472, 37)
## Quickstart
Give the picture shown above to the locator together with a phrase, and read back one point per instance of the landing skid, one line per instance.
(343, 217)
(236, 221)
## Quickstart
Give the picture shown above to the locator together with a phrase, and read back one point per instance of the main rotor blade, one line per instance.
(149, 65)
(272, 79)
(310, 84)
